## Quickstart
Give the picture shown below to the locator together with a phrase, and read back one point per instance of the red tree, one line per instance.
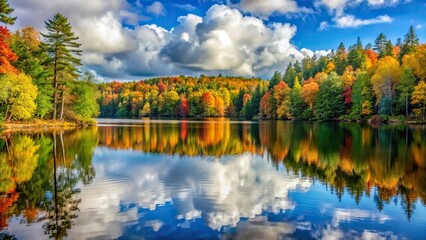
(184, 107)
(6, 54)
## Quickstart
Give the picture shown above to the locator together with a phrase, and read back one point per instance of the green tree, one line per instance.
(85, 104)
(383, 46)
(252, 107)
(61, 45)
(5, 11)
(405, 88)
(289, 75)
(362, 97)
(340, 59)
(26, 44)
(330, 104)
(356, 57)
(275, 80)
(410, 43)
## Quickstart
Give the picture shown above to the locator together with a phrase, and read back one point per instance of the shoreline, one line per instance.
(40, 125)
(50, 124)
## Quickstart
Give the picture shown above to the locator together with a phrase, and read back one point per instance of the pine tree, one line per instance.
(380, 45)
(5, 11)
(61, 45)
(410, 43)
(275, 80)
(340, 60)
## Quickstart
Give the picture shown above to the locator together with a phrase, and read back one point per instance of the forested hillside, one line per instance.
(352, 83)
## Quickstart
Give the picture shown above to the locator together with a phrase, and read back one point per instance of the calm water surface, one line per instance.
(214, 179)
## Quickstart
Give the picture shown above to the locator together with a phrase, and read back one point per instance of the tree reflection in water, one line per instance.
(40, 171)
(41, 174)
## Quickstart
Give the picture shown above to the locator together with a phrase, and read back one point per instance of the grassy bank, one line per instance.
(43, 124)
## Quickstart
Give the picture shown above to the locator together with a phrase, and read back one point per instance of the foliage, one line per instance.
(329, 104)
(60, 43)
(385, 79)
(419, 98)
(17, 96)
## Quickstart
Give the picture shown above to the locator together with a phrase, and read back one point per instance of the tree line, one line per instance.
(40, 79)
(354, 84)
(39, 72)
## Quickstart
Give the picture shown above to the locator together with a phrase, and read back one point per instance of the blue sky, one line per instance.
(134, 39)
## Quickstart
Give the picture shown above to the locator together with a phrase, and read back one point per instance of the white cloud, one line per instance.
(266, 8)
(335, 6)
(337, 9)
(323, 25)
(318, 53)
(348, 21)
(223, 41)
(157, 9)
(419, 26)
(187, 7)
(383, 3)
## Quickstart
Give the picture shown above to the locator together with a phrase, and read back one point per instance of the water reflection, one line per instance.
(214, 179)
(39, 175)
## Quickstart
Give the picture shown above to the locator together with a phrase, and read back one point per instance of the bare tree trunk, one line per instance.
(5, 115)
(406, 106)
(63, 104)
(55, 88)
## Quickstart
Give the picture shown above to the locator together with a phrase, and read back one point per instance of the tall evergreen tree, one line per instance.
(61, 45)
(380, 45)
(340, 59)
(5, 11)
(410, 43)
(275, 80)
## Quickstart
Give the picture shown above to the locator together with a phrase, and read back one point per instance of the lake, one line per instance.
(142, 179)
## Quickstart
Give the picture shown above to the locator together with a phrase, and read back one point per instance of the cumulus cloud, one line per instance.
(157, 9)
(317, 53)
(222, 41)
(266, 8)
(342, 20)
(225, 40)
(349, 21)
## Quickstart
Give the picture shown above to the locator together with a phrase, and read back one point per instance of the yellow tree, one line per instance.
(18, 95)
(419, 97)
(282, 98)
(309, 93)
(385, 79)
(420, 56)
